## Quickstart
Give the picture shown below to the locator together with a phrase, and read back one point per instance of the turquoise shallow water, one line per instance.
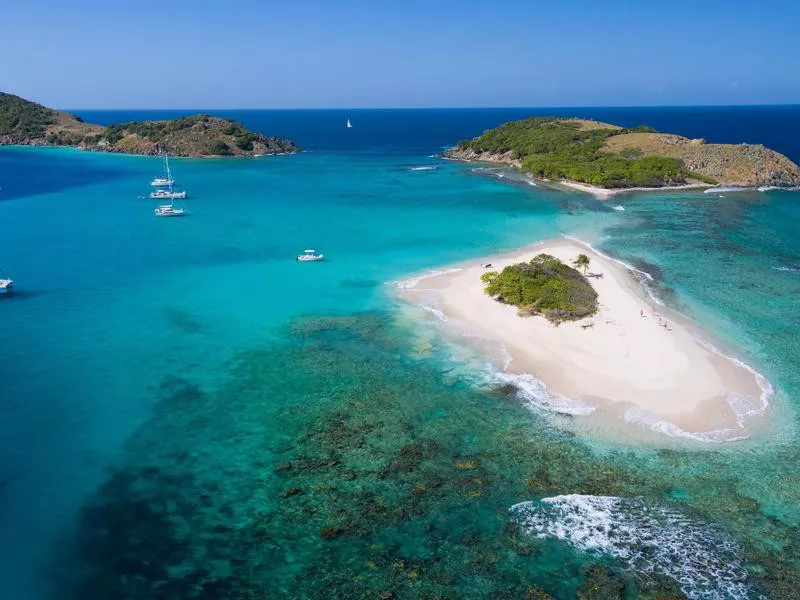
(187, 412)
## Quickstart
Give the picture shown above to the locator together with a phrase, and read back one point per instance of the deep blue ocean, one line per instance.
(186, 412)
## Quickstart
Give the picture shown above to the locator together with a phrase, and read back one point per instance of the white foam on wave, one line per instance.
(645, 418)
(653, 296)
(742, 406)
(619, 208)
(533, 393)
(772, 188)
(787, 269)
(427, 168)
(647, 539)
(764, 385)
(531, 182)
(728, 188)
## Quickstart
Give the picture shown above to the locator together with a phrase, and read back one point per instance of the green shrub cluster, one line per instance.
(22, 118)
(543, 286)
(552, 148)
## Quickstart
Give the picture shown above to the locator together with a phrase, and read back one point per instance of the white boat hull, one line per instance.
(307, 258)
(168, 211)
(168, 195)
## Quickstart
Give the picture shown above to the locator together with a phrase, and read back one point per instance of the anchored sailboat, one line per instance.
(166, 180)
(169, 210)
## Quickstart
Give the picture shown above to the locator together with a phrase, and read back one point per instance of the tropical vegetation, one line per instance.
(18, 117)
(543, 286)
(26, 122)
(553, 148)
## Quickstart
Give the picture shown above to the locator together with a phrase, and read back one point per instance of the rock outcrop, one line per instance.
(747, 165)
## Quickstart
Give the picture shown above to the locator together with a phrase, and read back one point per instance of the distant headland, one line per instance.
(27, 123)
(604, 158)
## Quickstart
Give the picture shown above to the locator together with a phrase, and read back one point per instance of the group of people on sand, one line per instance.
(662, 323)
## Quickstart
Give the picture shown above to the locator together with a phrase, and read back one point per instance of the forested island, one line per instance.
(27, 123)
(612, 157)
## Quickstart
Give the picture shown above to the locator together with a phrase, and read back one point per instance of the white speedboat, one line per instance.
(309, 256)
(168, 194)
(168, 210)
(6, 283)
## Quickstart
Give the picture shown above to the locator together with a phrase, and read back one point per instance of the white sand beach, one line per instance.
(606, 193)
(633, 360)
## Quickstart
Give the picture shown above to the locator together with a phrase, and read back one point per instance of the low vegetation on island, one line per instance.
(608, 156)
(27, 123)
(544, 286)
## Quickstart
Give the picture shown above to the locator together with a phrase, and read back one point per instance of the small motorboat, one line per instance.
(6, 285)
(168, 210)
(309, 256)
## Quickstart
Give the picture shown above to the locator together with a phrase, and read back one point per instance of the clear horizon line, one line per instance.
(477, 107)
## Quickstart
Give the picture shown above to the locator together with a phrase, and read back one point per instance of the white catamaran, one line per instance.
(167, 194)
(166, 180)
(309, 256)
(169, 210)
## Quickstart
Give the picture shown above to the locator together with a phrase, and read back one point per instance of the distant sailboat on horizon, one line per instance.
(349, 124)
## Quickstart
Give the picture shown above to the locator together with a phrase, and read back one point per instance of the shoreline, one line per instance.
(621, 367)
(608, 193)
(113, 153)
(600, 193)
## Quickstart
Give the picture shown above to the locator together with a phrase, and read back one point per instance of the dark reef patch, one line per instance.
(313, 472)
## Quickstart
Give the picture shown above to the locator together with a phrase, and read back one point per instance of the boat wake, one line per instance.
(646, 539)
(787, 269)
(426, 168)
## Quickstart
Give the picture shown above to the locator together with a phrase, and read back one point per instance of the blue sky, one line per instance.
(312, 53)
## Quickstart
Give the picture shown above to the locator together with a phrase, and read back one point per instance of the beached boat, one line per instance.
(309, 256)
(349, 124)
(167, 194)
(167, 179)
(168, 210)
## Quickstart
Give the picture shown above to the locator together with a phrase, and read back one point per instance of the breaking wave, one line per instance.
(533, 393)
(647, 539)
(727, 188)
(427, 168)
(619, 208)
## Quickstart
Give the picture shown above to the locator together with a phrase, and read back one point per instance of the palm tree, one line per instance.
(582, 262)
